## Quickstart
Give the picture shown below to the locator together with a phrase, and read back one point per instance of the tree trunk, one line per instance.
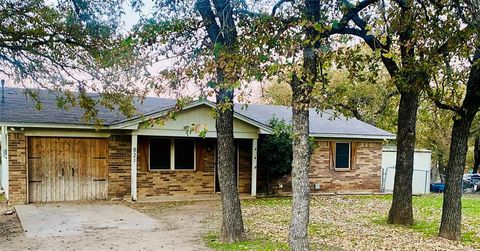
(232, 222)
(452, 204)
(301, 92)
(298, 238)
(221, 30)
(401, 211)
(476, 153)
(450, 226)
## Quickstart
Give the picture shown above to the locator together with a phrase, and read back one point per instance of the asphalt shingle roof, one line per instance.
(20, 109)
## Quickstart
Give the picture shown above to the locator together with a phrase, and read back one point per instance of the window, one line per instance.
(171, 154)
(160, 154)
(342, 156)
(184, 154)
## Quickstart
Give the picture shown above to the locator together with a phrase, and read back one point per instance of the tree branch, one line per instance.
(278, 5)
(213, 29)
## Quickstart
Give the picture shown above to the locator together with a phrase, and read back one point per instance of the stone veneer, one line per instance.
(364, 175)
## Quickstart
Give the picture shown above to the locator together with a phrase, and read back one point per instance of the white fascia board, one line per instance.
(182, 133)
(352, 136)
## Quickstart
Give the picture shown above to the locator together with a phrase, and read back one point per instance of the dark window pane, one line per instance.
(184, 154)
(159, 153)
(342, 155)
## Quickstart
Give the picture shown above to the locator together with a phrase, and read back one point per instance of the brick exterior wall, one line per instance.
(17, 168)
(149, 183)
(365, 175)
(176, 182)
(119, 159)
(189, 182)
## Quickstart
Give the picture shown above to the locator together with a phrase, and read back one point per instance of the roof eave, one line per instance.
(353, 136)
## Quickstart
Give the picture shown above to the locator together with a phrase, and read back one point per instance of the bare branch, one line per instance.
(279, 4)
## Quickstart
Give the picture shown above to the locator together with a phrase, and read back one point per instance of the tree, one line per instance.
(277, 93)
(401, 34)
(311, 18)
(450, 227)
(201, 39)
(68, 45)
(223, 38)
(450, 78)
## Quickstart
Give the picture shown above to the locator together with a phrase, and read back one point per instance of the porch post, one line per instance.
(4, 160)
(133, 170)
(254, 168)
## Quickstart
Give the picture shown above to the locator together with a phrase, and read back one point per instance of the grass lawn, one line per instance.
(354, 223)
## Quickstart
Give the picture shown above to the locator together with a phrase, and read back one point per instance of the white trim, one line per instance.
(349, 156)
(172, 156)
(133, 167)
(351, 136)
(238, 163)
(254, 168)
(182, 134)
(4, 161)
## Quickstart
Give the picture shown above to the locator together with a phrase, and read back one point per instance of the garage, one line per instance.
(67, 169)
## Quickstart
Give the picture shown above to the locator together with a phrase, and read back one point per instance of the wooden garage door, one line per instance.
(66, 169)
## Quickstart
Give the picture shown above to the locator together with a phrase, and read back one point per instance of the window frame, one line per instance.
(340, 169)
(172, 156)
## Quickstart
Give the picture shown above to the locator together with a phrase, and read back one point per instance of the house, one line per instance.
(54, 155)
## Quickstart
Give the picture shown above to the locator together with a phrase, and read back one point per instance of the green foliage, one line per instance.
(275, 151)
(69, 45)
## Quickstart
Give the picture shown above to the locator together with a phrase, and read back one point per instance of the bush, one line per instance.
(275, 152)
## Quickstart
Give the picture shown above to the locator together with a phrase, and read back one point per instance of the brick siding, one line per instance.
(17, 168)
(119, 164)
(188, 182)
(363, 176)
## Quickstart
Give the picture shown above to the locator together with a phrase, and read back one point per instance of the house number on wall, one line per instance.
(134, 155)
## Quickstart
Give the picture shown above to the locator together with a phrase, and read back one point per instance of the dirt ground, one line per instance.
(181, 227)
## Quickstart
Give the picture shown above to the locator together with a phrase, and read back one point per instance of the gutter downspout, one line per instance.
(4, 157)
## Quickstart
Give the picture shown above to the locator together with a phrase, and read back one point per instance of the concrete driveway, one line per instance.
(71, 219)
(110, 226)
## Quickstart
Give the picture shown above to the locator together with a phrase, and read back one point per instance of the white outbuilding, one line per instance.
(421, 170)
